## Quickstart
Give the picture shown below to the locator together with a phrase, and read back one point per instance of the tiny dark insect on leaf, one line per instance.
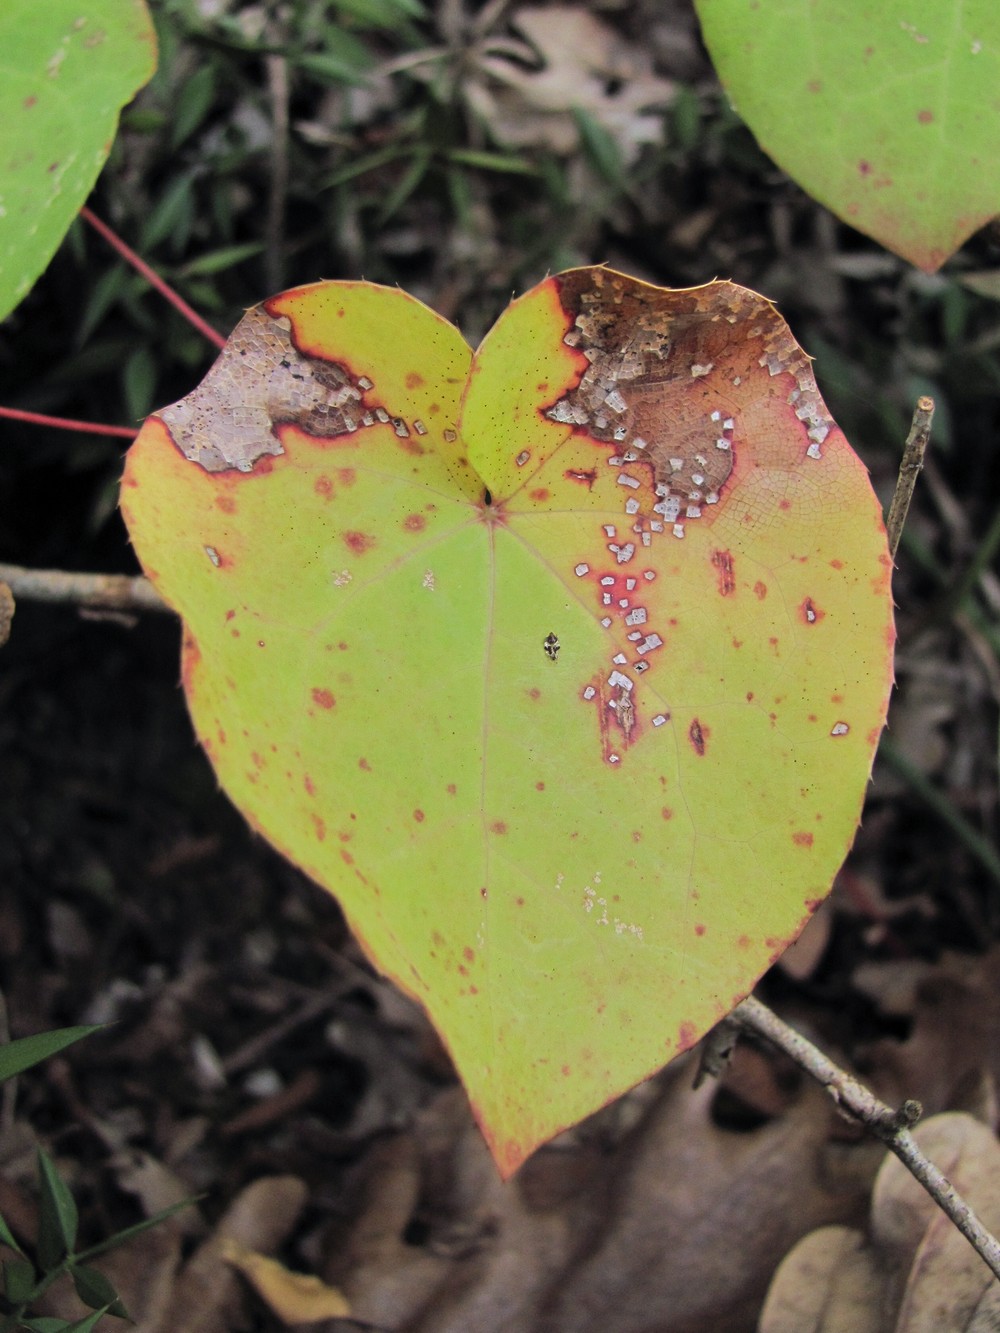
(551, 645)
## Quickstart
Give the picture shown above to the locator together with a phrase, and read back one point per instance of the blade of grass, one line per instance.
(21, 1054)
(978, 847)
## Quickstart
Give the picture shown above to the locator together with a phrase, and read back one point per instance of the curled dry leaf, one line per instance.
(562, 665)
(914, 1272)
(673, 1223)
(829, 1283)
(296, 1298)
(6, 612)
(584, 64)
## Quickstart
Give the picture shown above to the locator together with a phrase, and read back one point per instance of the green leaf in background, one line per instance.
(562, 664)
(7, 1236)
(57, 1214)
(19, 1055)
(886, 113)
(95, 1290)
(67, 67)
(19, 1280)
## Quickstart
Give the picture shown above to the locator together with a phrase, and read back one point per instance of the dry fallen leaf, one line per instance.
(914, 1272)
(296, 1298)
(6, 612)
(584, 64)
(829, 1283)
(637, 1221)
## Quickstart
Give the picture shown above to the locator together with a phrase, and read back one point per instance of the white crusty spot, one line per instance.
(580, 570)
(839, 729)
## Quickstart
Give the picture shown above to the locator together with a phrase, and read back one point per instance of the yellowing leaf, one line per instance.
(296, 1298)
(562, 665)
(67, 67)
(886, 113)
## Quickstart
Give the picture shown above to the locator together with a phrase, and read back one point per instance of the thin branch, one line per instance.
(68, 423)
(892, 1127)
(104, 592)
(154, 279)
(909, 470)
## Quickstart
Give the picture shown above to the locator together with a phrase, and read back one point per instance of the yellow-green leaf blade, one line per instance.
(67, 67)
(885, 113)
(576, 776)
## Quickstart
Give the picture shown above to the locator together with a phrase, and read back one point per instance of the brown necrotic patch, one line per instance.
(259, 383)
(665, 368)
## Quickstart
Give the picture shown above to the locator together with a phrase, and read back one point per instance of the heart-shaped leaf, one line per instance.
(562, 665)
(885, 113)
(68, 67)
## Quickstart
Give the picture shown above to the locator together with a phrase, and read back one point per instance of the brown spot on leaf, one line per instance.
(925, 117)
(414, 523)
(760, 590)
(540, 494)
(413, 380)
(498, 826)
(346, 476)
(359, 542)
(323, 698)
(698, 735)
(723, 562)
(226, 503)
(469, 954)
(539, 786)
(323, 486)
(419, 816)
(320, 826)
(700, 928)
(666, 812)
(309, 785)
(585, 476)
(802, 839)
(364, 765)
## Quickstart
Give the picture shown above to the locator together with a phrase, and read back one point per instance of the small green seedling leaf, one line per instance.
(21, 1054)
(18, 1280)
(57, 1215)
(7, 1236)
(562, 664)
(94, 1289)
(67, 67)
(885, 113)
(50, 1324)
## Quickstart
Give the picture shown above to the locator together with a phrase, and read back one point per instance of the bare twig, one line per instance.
(909, 470)
(105, 592)
(892, 1127)
(153, 278)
